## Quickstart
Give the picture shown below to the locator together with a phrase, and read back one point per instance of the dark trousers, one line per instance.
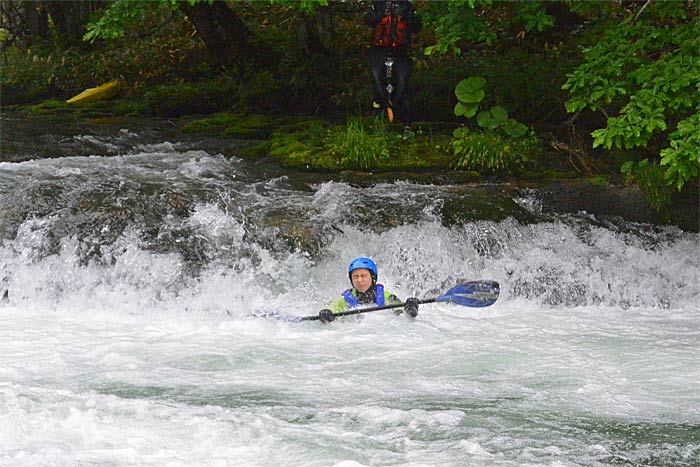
(400, 75)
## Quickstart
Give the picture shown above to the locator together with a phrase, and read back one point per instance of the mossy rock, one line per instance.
(551, 175)
(249, 127)
(132, 106)
(291, 150)
(315, 146)
(49, 106)
(234, 125)
(256, 151)
(599, 181)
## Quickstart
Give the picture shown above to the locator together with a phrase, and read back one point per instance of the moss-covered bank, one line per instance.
(367, 144)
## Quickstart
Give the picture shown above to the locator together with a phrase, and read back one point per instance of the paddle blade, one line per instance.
(473, 294)
(277, 316)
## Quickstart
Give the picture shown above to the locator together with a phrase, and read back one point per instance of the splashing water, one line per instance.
(127, 336)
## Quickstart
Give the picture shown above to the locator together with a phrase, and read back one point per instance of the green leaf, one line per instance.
(471, 90)
(466, 109)
(514, 128)
(460, 132)
(492, 118)
(499, 114)
(486, 120)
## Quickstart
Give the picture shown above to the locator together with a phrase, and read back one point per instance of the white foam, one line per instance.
(137, 356)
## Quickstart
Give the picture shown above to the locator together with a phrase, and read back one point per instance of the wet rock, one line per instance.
(622, 201)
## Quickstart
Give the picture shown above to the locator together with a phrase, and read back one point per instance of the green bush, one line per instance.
(642, 74)
(357, 147)
(470, 92)
(649, 177)
(493, 153)
(37, 73)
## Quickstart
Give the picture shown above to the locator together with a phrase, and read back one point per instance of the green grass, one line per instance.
(359, 147)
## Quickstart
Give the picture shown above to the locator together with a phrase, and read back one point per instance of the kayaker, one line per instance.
(393, 23)
(365, 291)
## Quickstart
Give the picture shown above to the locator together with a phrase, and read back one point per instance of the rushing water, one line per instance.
(134, 267)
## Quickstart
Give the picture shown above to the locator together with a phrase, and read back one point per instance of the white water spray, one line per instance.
(135, 345)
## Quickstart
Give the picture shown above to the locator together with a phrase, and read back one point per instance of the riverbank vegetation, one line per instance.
(502, 89)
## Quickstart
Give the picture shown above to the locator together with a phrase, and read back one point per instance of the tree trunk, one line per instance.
(69, 18)
(61, 20)
(25, 20)
(318, 32)
(225, 35)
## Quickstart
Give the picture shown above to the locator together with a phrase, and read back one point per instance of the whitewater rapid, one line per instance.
(128, 338)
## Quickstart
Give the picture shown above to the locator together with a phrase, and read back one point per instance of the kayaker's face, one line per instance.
(361, 279)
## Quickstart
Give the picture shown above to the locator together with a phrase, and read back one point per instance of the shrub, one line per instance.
(649, 177)
(490, 152)
(357, 147)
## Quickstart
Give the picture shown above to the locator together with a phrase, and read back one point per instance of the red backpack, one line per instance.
(384, 36)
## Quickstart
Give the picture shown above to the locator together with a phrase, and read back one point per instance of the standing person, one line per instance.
(365, 291)
(393, 23)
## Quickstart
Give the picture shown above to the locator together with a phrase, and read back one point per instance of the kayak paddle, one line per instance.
(474, 294)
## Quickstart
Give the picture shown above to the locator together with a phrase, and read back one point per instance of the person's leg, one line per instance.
(403, 67)
(375, 60)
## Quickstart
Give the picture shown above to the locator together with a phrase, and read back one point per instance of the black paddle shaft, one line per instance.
(357, 311)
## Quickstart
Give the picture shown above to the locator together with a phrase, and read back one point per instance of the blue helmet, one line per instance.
(363, 263)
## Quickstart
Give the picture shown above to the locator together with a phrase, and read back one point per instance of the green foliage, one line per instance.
(493, 118)
(636, 124)
(493, 153)
(299, 146)
(513, 128)
(682, 157)
(357, 147)
(121, 14)
(453, 22)
(487, 151)
(465, 109)
(470, 92)
(649, 178)
(306, 6)
(644, 75)
(116, 18)
(599, 180)
(154, 51)
(456, 23)
(39, 73)
(359, 144)
(232, 125)
(533, 16)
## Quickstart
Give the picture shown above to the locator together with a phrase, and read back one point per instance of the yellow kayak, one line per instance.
(92, 94)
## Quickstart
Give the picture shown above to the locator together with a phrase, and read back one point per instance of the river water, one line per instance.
(135, 264)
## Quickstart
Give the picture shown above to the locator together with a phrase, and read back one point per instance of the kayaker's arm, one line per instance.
(338, 305)
(327, 314)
